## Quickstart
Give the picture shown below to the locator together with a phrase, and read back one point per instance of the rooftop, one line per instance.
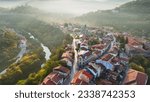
(82, 76)
(62, 69)
(135, 77)
(53, 79)
(107, 57)
(98, 46)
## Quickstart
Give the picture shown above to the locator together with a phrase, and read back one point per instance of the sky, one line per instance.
(76, 7)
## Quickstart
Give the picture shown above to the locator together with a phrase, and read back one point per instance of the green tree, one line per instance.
(137, 67)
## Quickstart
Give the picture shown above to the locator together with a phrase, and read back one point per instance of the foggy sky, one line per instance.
(76, 7)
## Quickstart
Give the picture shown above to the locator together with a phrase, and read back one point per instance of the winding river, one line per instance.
(23, 46)
(46, 50)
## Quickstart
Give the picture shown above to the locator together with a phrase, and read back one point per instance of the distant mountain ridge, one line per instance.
(138, 6)
(133, 17)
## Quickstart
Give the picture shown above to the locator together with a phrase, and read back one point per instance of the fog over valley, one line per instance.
(76, 7)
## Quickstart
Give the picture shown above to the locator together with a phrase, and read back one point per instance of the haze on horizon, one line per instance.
(75, 7)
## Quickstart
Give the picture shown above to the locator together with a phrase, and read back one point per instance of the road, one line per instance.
(23, 46)
(75, 65)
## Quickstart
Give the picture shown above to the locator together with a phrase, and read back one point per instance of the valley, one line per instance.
(101, 47)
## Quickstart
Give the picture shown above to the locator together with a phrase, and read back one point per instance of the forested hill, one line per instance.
(26, 9)
(8, 47)
(23, 23)
(130, 17)
(138, 6)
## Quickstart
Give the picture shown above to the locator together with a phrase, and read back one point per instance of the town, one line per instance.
(99, 56)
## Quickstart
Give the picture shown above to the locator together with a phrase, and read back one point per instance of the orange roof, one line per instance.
(107, 57)
(83, 75)
(103, 82)
(135, 77)
(133, 41)
(53, 78)
(67, 54)
(79, 82)
(98, 46)
(62, 69)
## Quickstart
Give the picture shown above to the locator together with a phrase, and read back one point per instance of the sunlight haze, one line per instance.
(76, 7)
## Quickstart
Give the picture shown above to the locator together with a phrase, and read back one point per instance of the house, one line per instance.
(147, 46)
(82, 77)
(135, 78)
(62, 70)
(98, 47)
(107, 57)
(114, 77)
(106, 64)
(53, 78)
(68, 62)
(67, 54)
(134, 42)
(83, 55)
(84, 46)
(115, 60)
(78, 82)
(57, 77)
(132, 51)
(94, 69)
(114, 50)
(103, 82)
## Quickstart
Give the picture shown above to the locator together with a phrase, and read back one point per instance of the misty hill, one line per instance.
(131, 17)
(138, 6)
(39, 14)
(25, 9)
(2, 10)
(8, 47)
(24, 22)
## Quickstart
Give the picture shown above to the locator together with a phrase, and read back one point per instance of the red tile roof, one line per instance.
(79, 82)
(133, 41)
(135, 77)
(107, 57)
(62, 69)
(67, 54)
(82, 77)
(114, 50)
(53, 78)
(130, 47)
(103, 82)
(87, 75)
(48, 82)
(115, 60)
(98, 46)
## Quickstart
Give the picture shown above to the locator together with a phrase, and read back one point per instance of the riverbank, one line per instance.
(46, 50)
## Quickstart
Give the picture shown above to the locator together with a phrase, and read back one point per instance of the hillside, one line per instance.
(25, 9)
(131, 17)
(8, 47)
(49, 17)
(23, 24)
(138, 6)
(25, 19)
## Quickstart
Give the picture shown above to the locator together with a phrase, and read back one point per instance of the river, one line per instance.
(23, 45)
(46, 50)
